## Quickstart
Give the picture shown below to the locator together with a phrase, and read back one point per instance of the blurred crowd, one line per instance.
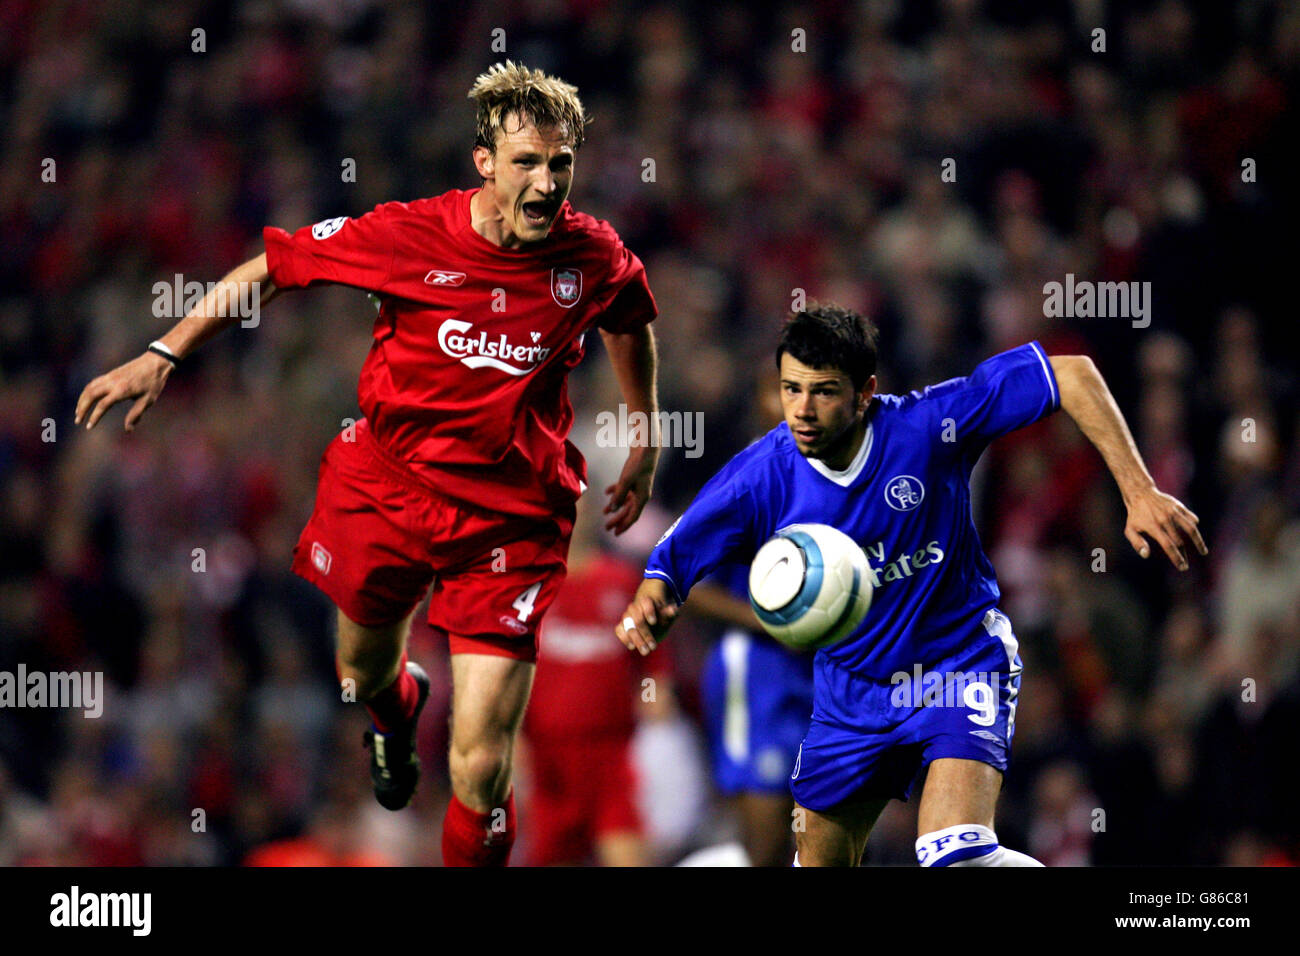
(751, 154)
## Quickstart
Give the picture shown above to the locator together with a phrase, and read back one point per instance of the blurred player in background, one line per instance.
(757, 697)
(893, 473)
(460, 475)
(582, 715)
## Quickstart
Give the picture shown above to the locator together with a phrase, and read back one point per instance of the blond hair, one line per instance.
(532, 95)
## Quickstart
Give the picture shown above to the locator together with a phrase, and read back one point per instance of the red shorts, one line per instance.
(582, 790)
(379, 536)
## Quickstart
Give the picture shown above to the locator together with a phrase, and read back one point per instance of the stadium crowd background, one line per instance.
(1168, 702)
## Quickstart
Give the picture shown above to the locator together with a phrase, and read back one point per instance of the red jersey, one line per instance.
(587, 683)
(466, 378)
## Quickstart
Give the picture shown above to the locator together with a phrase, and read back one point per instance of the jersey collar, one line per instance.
(850, 474)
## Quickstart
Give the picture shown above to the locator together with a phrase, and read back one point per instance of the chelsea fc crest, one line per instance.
(566, 287)
(903, 493)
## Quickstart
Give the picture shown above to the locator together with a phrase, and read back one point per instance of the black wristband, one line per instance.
(157, 349)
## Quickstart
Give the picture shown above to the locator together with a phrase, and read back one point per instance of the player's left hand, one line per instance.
(1165, 520)
(628, 496)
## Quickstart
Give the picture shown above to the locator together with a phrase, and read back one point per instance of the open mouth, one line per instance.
(539, 213)
(807, 434)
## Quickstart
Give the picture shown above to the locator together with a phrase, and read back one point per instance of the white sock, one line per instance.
(999, 857)
(967, 844)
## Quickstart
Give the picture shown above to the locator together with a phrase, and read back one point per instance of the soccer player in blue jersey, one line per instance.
(930, 677)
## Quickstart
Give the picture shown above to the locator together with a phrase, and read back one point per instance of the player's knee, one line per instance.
(481, 766)
(368, 659)
(967, 844)
(364, 677)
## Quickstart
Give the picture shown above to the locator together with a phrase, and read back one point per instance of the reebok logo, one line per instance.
(444, 277)
(514, 624)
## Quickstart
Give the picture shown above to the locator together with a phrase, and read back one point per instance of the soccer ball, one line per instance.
(809, 586)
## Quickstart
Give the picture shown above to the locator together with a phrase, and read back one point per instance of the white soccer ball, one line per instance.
(810, 586)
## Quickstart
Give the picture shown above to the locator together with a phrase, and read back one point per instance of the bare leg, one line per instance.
(369, 656)
(489, 695)
(955, 822)
(765, 825)
(838, 837)
(958, 791)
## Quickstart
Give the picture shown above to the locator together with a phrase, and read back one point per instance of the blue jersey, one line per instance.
(905, 498)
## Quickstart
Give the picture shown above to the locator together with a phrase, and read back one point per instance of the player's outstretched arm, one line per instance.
(648, 617)
(1160, 517)
(633, 356)
(717, 603)
(143, 377)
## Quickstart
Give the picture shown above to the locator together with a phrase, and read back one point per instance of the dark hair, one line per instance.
(831, 337)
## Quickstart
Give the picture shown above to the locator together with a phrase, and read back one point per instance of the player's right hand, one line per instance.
(141, 378)
(647, 618)
(1166, 521)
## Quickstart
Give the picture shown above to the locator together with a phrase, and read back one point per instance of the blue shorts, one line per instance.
(868, 739)
(758, 697)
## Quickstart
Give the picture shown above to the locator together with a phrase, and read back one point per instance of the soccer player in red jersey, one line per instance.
(460, 473)
(582, 716)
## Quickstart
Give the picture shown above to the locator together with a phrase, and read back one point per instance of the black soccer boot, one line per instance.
(394, 765)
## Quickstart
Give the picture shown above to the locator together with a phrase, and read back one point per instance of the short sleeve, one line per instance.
(1006, 392)
(633, 304)
(354, 252)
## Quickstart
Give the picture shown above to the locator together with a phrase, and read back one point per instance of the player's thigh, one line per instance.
(836, 837)
(494, 600)
(371, 655)
(361, 547)
(489, 696)
(958, 791)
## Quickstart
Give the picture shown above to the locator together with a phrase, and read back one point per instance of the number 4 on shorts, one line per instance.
(524, 603)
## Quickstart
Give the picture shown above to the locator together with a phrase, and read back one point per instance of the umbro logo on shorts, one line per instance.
(320, 558)
(443, 277)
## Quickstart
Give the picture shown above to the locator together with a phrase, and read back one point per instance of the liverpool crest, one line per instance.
(566, 287)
